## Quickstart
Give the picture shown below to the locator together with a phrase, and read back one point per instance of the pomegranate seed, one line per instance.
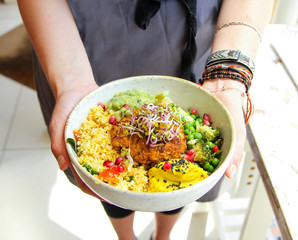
(108, 163)
(194, 111)
(188, 158)
(102, 105)
(206, 122)
(215, 148)
(190, 152)
(206, 117)
(113, 120)
(167, 166)
(126, 106)
(119, 160)
(120, 168)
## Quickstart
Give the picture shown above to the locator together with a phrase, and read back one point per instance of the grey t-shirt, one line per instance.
(118, 48)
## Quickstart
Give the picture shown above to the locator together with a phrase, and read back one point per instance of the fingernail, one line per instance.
(232, 170)
(61, 161)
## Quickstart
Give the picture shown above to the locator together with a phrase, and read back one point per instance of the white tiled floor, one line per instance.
(37, 201)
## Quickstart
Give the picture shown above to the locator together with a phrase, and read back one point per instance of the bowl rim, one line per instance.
(219, 171)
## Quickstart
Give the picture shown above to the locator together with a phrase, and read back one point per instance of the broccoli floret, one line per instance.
(208, 133)
(192, 143)
(202, 153)
(216, 154)
(219, 142)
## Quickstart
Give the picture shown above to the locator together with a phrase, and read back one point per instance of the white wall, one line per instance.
(286, 12)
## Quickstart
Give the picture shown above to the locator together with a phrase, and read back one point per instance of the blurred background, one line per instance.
(38, 202)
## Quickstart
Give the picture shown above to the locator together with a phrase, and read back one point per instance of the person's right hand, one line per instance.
(232, 99)
(65, 102)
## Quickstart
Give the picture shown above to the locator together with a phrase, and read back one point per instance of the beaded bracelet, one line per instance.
(227, 75)
(237, 68)
(234, 72)
(227, 71)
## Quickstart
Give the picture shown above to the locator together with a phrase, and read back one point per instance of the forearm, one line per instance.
(243, 38)
(56, 39)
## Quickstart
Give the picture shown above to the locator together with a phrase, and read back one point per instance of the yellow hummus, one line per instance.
(182, 174)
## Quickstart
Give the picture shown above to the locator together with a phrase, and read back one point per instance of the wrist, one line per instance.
(77, 83)
(223, 40)
(219, 85)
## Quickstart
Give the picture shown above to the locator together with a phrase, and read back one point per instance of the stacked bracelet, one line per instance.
(227, 71)
(231, 56)
(234, 72)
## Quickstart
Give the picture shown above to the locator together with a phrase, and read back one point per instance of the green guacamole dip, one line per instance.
(133, 98)
(137, 98)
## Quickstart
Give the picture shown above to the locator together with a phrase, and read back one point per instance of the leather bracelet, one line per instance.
(227, 71)
(223, 56)
(226, 75)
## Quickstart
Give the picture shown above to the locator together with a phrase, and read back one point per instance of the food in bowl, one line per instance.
(146, 143)
(182, 173)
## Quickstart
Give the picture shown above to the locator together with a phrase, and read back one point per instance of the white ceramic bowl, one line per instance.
(186, 95)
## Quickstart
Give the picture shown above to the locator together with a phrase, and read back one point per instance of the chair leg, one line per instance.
(256, 227)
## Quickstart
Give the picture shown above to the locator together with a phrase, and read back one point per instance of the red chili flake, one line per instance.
(167, 166)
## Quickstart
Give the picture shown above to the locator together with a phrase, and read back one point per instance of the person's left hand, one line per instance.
(65, 102)
(232, 99)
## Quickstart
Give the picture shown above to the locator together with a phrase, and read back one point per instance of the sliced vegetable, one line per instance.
(72, 144)
(90, 169)
(109, 175)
